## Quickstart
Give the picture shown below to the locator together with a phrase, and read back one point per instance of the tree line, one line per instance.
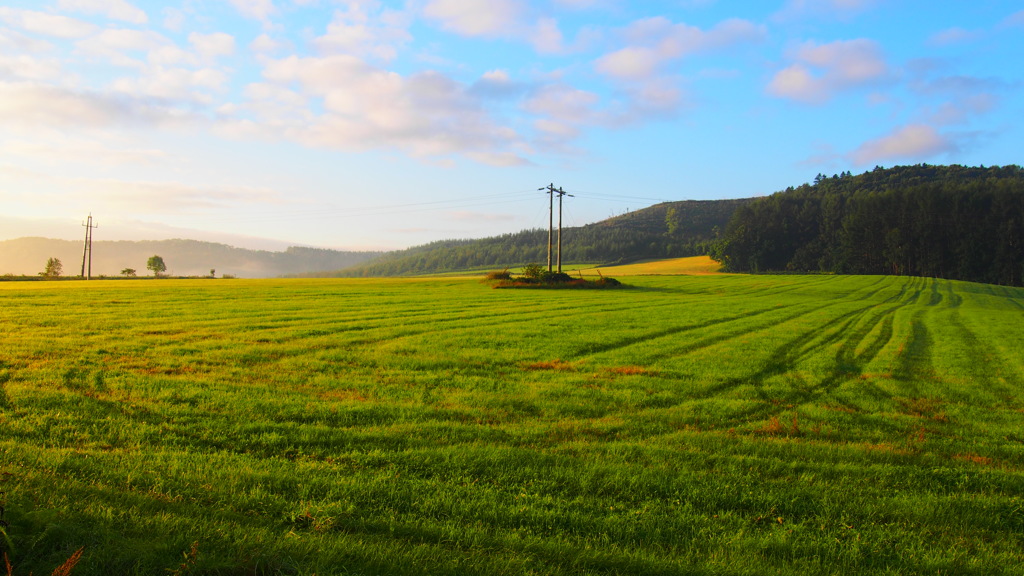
(953, 222)
(667, 230)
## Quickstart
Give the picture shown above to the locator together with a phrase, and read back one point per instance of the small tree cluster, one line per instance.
(53, 269)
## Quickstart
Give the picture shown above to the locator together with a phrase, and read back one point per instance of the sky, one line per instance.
(374, 124)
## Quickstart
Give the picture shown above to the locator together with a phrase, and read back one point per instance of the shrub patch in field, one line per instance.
(534, 276)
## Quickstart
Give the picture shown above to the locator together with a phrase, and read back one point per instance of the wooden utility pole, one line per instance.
(88, 247)
(561, 193)
(550, 189)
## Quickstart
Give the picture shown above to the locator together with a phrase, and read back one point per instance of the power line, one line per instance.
(410, 208)
(601, 196)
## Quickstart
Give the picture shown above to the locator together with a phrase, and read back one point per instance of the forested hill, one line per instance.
(670, 229)
(942, 221)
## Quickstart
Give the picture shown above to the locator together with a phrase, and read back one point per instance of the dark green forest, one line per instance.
(954, 222)
(667, 230)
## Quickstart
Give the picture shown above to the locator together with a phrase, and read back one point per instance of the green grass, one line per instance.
(683, 425)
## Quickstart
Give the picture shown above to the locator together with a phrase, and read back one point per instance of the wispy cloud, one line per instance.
(1014, 20)
(955, 35)
(911, 142)
(508, 19)
(820, 71)
(487, 18)
(830, 9)
(261, 10)
(113, 9)
(366, 31)
(29, 105)
(61, 150)
(53, 25)
(653, 43)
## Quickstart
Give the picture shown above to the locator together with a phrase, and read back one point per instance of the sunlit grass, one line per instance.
(685, 425)
(694, 266)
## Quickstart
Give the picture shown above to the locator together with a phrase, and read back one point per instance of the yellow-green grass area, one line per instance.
(694, 266)
(684, 425)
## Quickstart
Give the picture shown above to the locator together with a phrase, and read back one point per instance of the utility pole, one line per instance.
(561, 193)
(550, 189)
(88, 246)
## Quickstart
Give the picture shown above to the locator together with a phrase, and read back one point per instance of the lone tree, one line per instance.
(128, 272)
(53, 268)
(156, 264)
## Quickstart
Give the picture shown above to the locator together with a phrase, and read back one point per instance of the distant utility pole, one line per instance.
(551, 190)
(88, 246)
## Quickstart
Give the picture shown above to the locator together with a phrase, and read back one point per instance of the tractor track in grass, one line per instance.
(849, 330)
(722, 337)
(435, 322)
(991, 372)
(590, 350)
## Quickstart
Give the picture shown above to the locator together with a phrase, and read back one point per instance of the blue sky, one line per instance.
(385, 124)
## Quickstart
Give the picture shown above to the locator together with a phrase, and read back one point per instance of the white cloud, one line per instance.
(652, 45)
(33, 107)
(156, 197)
(46, 24)
(841, 9)
(15, 42)
(960, 97)
(118, 44)
(113, 9)
(175, 84)
(25, 67)
(490, 18)
(1015, 19)
(656, 97)
(798, 83)
(912, 142)
(265, 44)
(962, 109)
(497, 84)
(510, 19)
(256, 9)
(630, 63)
(364, 107)
(564, 103)
(822, 70)
(562, 113)
(581, 4)
(547, 37)
(655, 42)
(61, 149)
(212, 46)
(954, 35)
(174, 19)
(362, 30)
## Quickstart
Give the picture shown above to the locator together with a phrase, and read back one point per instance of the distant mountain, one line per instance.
(183, 258)
(667, 230)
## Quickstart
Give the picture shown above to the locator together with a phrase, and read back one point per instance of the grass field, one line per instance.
(684, 425)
